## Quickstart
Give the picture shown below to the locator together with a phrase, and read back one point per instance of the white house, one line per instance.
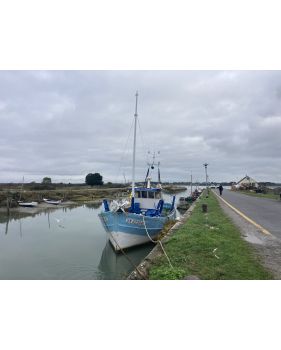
(247, 181)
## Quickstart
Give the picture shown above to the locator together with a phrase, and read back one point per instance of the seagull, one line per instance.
(58, 221)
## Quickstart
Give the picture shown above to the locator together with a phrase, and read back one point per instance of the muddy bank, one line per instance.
(75, 195)
(172, 189)
(40, 207)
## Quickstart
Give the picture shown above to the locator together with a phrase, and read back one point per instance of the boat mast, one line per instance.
(134, 150)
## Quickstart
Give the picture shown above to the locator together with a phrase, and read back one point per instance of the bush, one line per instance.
(94, 179)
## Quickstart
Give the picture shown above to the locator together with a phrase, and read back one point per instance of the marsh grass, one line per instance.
(270, 195)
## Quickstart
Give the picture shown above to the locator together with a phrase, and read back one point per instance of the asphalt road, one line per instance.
(266, 212)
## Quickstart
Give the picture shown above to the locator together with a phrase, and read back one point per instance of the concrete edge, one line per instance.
(157, 251)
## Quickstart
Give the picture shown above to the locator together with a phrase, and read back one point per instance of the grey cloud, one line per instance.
(67, 123)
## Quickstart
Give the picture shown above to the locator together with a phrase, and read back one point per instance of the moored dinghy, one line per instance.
(22, 203)
(51, 201)
(27, 204)
(146, 216)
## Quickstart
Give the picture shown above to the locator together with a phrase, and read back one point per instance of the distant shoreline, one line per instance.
(67, 195)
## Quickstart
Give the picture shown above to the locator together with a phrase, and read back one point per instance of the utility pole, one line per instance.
(206, 172)
(191, 183)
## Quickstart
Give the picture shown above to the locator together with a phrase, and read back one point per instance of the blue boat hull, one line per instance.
(130, 229)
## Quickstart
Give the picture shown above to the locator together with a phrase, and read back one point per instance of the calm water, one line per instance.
(63, 243)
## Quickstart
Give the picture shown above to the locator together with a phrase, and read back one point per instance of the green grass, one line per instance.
(191, 249)
(261, 195)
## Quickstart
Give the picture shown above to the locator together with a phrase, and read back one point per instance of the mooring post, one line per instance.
(204, 208)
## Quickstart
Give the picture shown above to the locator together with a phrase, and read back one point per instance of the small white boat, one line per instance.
(51, 201)
(27, 204)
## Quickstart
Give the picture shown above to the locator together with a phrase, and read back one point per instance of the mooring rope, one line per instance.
(158, 241)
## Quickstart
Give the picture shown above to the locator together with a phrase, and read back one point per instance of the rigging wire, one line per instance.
(124, 151)
(142, 139)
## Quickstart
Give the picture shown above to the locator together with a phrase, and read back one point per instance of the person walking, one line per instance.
(220, 189)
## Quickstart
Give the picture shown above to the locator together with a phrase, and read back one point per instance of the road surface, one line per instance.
(266, 212)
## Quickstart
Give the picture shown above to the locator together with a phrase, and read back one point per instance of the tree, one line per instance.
(47, 180)
(94, 179)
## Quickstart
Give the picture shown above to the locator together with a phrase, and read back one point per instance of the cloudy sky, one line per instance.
(65, 124)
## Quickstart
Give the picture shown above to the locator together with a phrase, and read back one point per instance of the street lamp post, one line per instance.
(207, 187)
(191, 184)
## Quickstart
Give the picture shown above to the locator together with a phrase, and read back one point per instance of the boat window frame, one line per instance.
(142, 194)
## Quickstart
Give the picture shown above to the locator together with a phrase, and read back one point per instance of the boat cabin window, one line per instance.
(158, 194)
(148, 194)
(144, 194)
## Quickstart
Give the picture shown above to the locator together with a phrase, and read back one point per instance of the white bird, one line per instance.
(58, 221)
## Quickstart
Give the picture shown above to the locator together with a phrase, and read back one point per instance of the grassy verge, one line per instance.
(261, 195)
(191, 249)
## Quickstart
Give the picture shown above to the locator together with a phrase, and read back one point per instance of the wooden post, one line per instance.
(204, 208)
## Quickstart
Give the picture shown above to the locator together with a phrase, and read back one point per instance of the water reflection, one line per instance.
(116, 265)
(93, 205)
(7, 227)
(18, 215)
(20, 229)
(61, 243)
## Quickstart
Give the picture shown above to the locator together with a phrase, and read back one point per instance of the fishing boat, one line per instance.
(51, 201)
(141, 218)
(183, 204)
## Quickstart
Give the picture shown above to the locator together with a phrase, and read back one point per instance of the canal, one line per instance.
(62, 243)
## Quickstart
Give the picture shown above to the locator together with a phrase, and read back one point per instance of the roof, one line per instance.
(247, 178)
